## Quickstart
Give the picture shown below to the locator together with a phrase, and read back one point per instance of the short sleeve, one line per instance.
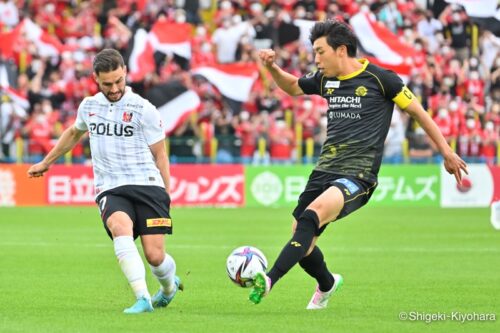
(80, 123)
(152, 125)
(311, 83)
(395, 89)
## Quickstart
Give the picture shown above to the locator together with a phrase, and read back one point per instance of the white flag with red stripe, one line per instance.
(234, 81)
(47, 45)
(169, 37)
(403, 70)
(378, 41)
(174, 101)
(141, 60)
(17, 98)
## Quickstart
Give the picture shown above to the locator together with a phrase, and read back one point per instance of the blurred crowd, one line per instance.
(456, 76)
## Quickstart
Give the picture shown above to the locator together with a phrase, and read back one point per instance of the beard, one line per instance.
(116, 96)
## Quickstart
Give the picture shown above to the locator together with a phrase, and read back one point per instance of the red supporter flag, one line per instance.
(233, 80)
(47, 45)
(174, 101)
(378, 41)
(168, 37)
(17, 98)
(141, 61)
(7, 42)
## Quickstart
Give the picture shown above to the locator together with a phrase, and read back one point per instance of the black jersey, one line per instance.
(360, 107)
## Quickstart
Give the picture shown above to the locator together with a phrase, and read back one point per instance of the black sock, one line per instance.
(315, 265)
(297, 247)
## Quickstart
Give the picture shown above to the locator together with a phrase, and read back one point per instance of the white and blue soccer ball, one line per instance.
(243, 263)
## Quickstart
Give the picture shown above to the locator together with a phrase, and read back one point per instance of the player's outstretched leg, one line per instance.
(161, 300)
(261, 287)
(142, 304)
(320, 298)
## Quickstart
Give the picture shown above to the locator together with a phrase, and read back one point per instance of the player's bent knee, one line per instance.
(120, 224)
(154, 257)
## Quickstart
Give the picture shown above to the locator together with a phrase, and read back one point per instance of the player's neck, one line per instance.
(349, 66)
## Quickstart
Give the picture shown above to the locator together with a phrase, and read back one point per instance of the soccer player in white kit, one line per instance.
(131, 177)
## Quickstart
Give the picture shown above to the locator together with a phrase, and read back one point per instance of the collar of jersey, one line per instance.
(104, 99)
(362, 61)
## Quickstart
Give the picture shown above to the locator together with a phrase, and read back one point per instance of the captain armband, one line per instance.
(404, 98)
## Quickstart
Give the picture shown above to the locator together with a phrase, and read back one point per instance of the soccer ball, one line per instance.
(243, 263)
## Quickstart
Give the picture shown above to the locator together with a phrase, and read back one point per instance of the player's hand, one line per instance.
(267, 57)
(455, 165)
(37, 170)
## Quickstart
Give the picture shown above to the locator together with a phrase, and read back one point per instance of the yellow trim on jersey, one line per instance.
(364, 193)
(362, 61)
(404, 98)
(378, 80)
(321, 85)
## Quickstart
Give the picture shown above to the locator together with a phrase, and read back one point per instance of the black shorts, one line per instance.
(147, 206)
(356, 193)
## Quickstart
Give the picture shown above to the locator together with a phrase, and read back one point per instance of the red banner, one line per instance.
(16, 189)
(212, 185)
(72, 185)
(191, 185)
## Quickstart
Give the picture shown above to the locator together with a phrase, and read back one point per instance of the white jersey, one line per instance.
(120, 135)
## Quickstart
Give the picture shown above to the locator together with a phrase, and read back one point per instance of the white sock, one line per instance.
(131, 264)
(165, 273)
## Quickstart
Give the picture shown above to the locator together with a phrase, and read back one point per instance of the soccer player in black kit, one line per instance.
(361, 98)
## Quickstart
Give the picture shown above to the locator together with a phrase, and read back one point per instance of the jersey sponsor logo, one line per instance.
(361, 91)
(349, 184)
(158, 222)
(329, 91)
(344, 102)
(344, 99)
(343, 115)
(332, 84)
(134, 106)
(295, 244)
(127, 116)
(108, 129)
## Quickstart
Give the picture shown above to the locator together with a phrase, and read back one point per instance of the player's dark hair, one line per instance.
(107, 60)
(337, 33)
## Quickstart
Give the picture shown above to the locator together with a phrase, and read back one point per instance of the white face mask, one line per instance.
(180, 19)
(473, 62)
(40, 118)
(489, 126)
(244, 115)
(453, 106)
(443, 113)
(470, 123)
(206, 47)
(201, 31)
(324, 121)
(307, 105)
(237, 19)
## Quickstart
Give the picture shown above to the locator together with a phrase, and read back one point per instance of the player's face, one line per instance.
(112, 84)
(326, 58)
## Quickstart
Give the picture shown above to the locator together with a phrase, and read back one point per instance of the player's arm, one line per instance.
(162, 163)
(66, 142)
(452, 162)
(286, 81)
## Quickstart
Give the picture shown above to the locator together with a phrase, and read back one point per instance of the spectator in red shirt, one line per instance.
(490, 141)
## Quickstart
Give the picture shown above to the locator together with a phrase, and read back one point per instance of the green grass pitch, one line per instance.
(58, 272)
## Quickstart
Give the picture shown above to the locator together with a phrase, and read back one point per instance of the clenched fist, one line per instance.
(267, 57)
